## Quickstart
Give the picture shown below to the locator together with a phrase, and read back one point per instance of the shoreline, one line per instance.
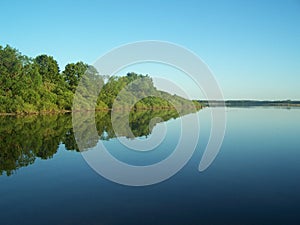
(55, 112)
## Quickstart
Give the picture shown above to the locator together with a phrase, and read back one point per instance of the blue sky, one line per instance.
(252, 47)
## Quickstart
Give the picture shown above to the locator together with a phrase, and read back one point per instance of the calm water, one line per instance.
(255, 179)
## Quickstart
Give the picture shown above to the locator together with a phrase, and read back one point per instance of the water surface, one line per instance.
(253, 180)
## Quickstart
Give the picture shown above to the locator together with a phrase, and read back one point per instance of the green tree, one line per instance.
(48, 68)
(11, 69)
(73, 73)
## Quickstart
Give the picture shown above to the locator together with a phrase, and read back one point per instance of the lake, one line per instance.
(255, 178)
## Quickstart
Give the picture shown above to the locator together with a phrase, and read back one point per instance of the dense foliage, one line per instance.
(31, 85)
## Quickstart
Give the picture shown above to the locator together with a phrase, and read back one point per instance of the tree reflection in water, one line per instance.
(25, 138)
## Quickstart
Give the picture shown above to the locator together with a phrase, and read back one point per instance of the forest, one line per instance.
(37, 85)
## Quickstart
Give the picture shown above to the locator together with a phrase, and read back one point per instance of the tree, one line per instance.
(11, 65)
(73, 73)
(48, 68)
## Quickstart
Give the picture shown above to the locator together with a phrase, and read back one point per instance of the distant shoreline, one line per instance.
(249, 103)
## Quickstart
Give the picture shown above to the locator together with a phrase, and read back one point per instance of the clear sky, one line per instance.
(252, 47)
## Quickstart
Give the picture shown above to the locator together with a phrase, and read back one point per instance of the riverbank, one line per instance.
(52, 112)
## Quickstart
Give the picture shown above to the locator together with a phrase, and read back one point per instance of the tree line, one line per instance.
(32, 85)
